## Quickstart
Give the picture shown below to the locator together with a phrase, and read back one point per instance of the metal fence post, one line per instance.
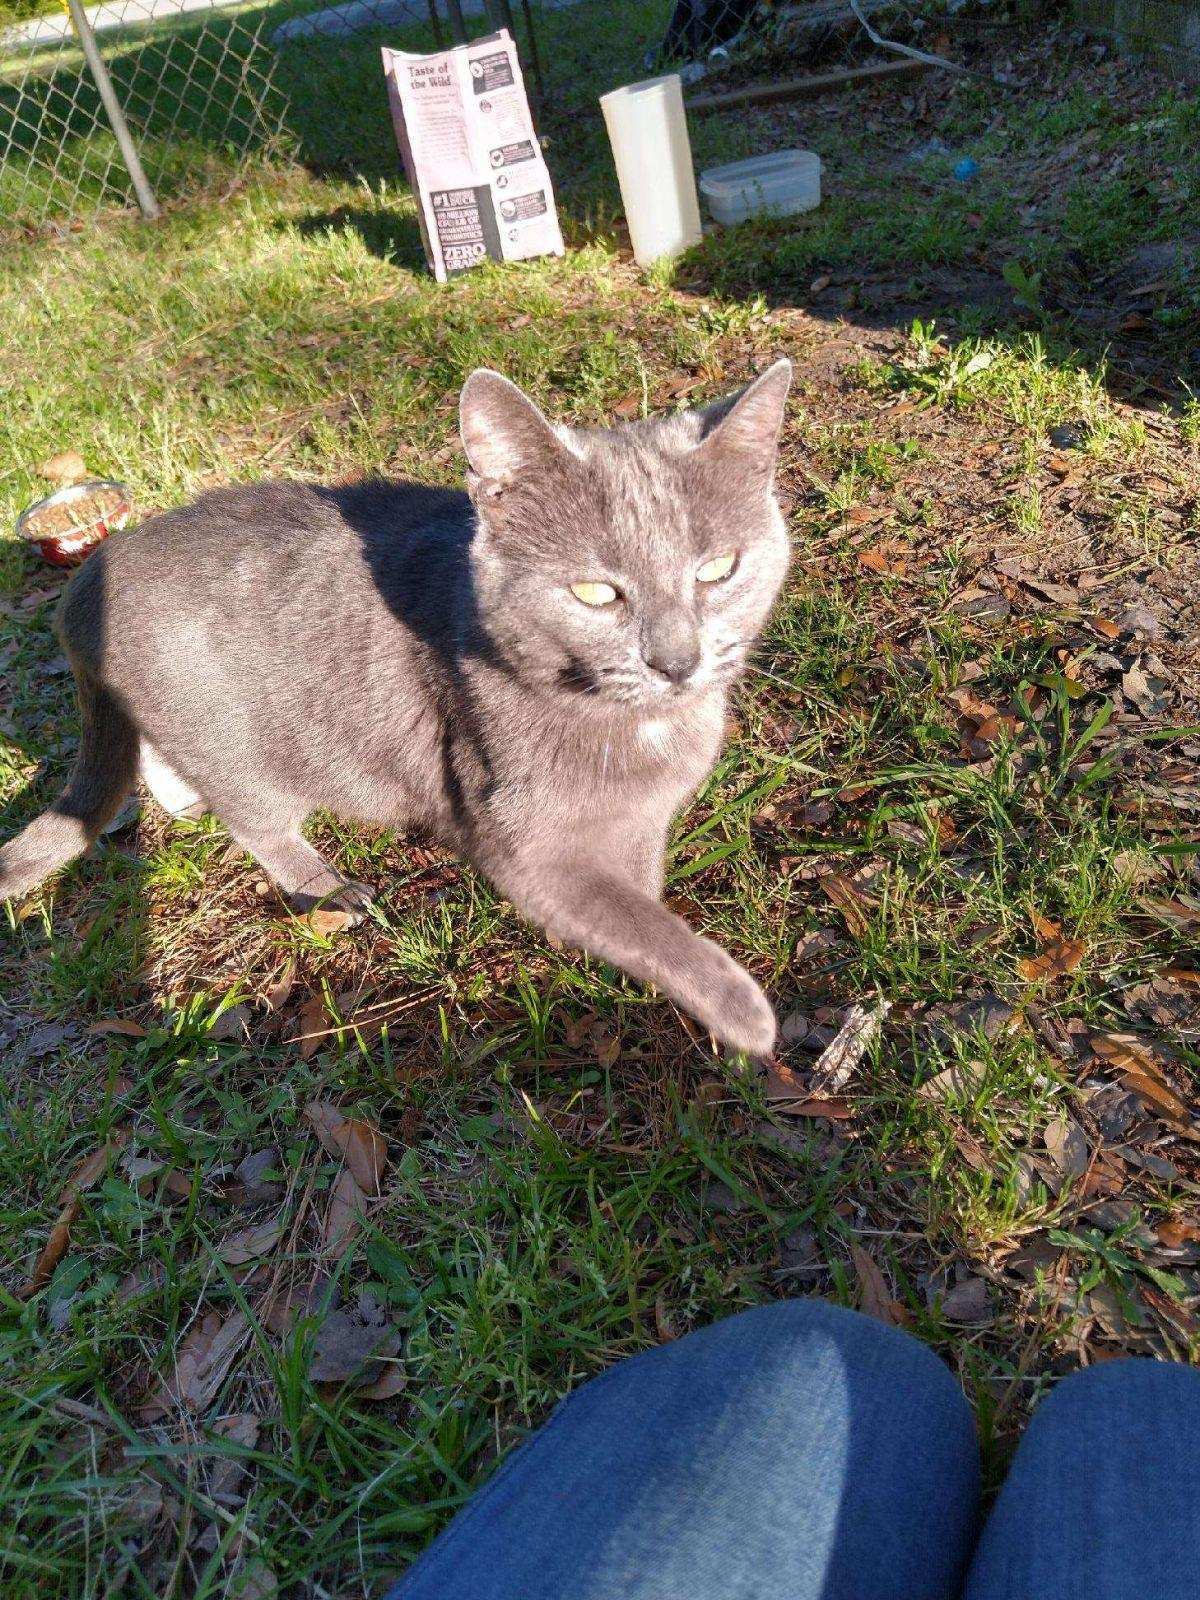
(458, 26)
(112, 106)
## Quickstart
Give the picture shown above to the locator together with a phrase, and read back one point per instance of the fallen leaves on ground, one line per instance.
(353, 1140)
(968, 1301)
(326, 920)
(343, 1215)
(250, 1243)
(874, 1296)
(855, 906)
(312, 1025)
(1067, 1146)
(124, 1027)
(242, 1428)
(201, 1365)
(962, 1080)
(52, 1252)
(1143, 1076)
(354, 1344)
(1058, 955)
(68, 466)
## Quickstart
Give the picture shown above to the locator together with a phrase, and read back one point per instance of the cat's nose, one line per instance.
(671, 647)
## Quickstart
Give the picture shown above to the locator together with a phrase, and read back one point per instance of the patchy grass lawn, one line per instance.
(965, 777)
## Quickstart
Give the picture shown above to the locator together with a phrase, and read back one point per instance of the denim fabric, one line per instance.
(803, 1452)
(795, 1451)
(1102, 1501)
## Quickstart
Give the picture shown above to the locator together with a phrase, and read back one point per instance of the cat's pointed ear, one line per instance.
(503, 432)
(747, 425)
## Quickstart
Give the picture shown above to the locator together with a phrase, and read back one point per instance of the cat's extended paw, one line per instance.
(739, 1014)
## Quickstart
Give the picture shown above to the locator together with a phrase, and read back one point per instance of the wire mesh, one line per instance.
(743, 40)
(195, 81)
(206, 83)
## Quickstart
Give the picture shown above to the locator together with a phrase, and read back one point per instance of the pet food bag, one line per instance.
(472, 158)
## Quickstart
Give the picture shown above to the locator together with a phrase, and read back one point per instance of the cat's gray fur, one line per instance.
(408, 655)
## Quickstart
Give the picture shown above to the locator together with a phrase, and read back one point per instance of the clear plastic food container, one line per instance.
(777, 185)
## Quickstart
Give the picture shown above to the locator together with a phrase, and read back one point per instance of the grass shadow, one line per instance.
(392, 236)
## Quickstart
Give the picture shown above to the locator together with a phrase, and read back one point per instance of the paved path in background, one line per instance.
(355, 14)
(122, 14)
(345, 18)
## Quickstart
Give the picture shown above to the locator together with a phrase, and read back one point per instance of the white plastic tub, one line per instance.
(647, 128)
(778, 185)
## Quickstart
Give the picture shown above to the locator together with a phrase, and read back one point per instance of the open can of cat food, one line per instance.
(65, 525)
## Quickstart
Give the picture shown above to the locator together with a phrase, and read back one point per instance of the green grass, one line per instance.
(572, 1175)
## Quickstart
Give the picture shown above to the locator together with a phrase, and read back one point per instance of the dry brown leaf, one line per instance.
(969, 703)
(630, 407)
(1067, 1145)
(874, 1296)
(997, 729)
(1158, 1094)
(250, 1243)
(967, 1302)
(52, 1252)
(351, 1344)
(92, 1167)
(313, 1025)
(178, 1184)
(784, 1083)
(1055, 961)
(389, 1384)
(254, 1581)
(365, 1151)
(68, 466)
(279, 989)
(279, 1308)
(1125, 1050)
(118, 1025)
(327, 920)
(54, 1249)
(344, 1216)
(201, 1364)
(1177, 1232)
(227, 1471)
(1143, 1076)
(849, 902)
(324, 1119)
(215, 1361)
(1175, 913)
(883, 558)
(961, 1079)
(790, 1094)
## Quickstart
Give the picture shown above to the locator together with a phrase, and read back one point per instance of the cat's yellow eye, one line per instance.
(716, 569)
(594, 594)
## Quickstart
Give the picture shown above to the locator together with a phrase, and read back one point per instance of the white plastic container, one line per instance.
(777, 185)
(647, 129)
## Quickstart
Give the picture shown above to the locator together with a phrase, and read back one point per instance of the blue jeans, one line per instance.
(803, 1452)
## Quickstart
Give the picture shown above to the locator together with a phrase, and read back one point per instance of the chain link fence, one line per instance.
(149, 100)
(740, 41)
(187, 84)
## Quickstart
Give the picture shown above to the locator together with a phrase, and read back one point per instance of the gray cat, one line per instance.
(536, 672)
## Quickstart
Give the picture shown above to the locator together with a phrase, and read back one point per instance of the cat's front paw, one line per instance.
(739, 1014)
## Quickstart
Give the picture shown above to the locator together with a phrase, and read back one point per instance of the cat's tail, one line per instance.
(105, 771)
